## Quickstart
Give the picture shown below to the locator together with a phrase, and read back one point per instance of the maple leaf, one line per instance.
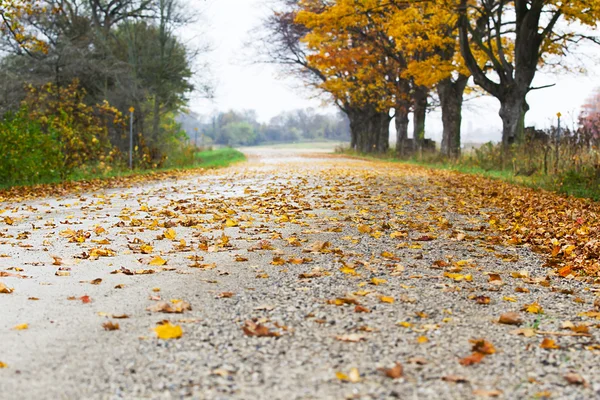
(169, 234)
(549, 344)
(168, 331)
(157, 261)
(251, 328)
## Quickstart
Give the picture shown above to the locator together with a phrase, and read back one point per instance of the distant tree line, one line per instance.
(241, 128)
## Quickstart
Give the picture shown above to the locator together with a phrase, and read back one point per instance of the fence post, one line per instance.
(131, 110)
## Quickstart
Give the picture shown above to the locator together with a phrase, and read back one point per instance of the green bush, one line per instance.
(29, 155)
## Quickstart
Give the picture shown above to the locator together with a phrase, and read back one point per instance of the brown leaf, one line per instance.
(361, 309)
(5, 289)
(510, 318)
(169, 308)
(575, 379)
(549, 344)
(474, 358)
(395, 372)
(110, 326)
(482, 346)
(353, 337)
(455, 379)
(251, 328)
(226, 295)
(487, 393)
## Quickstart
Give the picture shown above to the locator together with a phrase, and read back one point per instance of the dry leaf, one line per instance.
(251, 328)
(395, 372)
(110, 326)
(548, 344)
(510, 318)
(5, 289)
(353, 337)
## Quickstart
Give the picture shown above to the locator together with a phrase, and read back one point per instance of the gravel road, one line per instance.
(339, 270)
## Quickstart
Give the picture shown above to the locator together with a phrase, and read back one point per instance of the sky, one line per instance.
(240, 83)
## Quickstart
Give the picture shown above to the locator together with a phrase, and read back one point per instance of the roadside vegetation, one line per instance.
(78, 79)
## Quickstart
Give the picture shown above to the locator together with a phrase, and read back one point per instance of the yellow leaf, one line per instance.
(511, 299)
(349, 271)
(169, 234)
(378, 281)
(146, 249)
(533, 308)
(353, 376)
(3, 365)
(21, 327)
(422, 339)
(158, 261)
(386, 299)
(362, 228)
(168, 331)
(231, 223)
(405, 324)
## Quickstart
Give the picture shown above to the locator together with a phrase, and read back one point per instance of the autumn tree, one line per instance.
(283, 44)
(517, 37)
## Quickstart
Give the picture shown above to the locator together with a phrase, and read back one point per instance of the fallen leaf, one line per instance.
(157, 261)
(21, 327)
(166, 307)
(168, 331)
(169, 234)
(455, 379)
(510, 318)
(549, 344)
(110, 326)
(85, 299)
(5, 289)
(386, 299)
(487, 393)
(353, 376)
(251, 328)
(472, 359)
(353, 337)
(533, 308)
(575, 379)
(395, 372)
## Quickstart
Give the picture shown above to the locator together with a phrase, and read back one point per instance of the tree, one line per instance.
(284, 45)
(517, 37)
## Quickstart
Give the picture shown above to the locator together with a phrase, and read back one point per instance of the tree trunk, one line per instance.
(513, 108)
(451, 99)
(419, 114)
(401, 130)
(383, 133)
(156, 120)
(370, 130)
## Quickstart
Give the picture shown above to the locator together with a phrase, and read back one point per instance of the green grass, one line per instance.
(218, 158)
(566, 185)
(209, 159)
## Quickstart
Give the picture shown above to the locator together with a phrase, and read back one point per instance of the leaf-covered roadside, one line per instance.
(205, 161)
(564, 229)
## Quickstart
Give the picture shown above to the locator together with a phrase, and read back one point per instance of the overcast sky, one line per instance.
(242, 85)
